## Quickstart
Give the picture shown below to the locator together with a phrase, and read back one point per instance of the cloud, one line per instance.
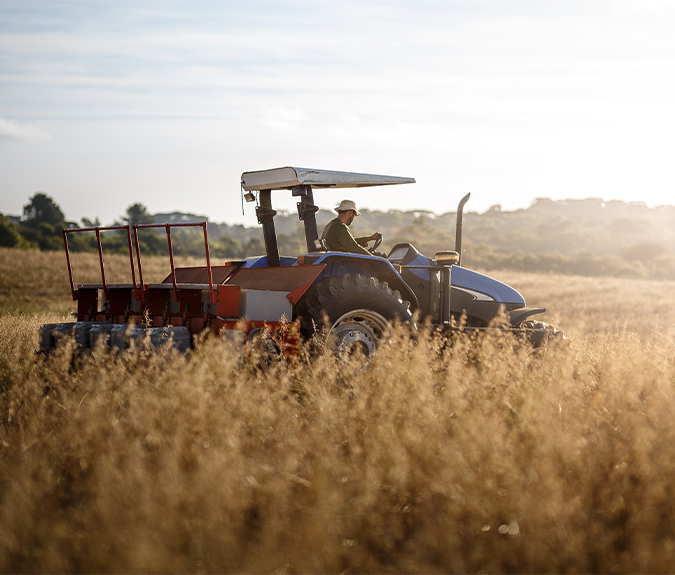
(11, 130)
(284, 118)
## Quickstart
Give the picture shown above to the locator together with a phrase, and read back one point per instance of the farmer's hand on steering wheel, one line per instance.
(377, 236)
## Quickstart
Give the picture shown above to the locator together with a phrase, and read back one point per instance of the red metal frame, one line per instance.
(98, 231)
(226, 296)
(173, 268)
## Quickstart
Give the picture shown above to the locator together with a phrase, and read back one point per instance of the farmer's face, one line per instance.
(350, 219)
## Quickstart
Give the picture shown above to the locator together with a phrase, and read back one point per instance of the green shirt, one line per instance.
(339, 238)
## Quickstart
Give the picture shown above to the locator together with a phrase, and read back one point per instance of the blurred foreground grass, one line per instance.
(478, 457)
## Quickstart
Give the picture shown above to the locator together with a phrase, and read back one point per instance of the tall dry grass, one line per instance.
(583, 305)
(475, 457)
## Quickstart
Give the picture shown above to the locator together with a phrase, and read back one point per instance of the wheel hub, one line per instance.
(357, 332)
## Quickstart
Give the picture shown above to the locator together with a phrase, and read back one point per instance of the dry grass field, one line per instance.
(478, 457)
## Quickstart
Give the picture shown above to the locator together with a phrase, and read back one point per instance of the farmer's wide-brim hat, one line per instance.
(346, 205)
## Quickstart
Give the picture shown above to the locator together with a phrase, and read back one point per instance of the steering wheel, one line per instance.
(376, 245)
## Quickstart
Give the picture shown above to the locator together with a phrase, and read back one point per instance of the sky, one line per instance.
(105, 104)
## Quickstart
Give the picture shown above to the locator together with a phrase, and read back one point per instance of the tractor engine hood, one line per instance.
(484, 288)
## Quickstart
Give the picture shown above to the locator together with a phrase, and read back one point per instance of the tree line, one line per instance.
(583, 237)
(40, 227)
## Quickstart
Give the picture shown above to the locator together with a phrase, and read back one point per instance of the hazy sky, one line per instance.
(103, 104)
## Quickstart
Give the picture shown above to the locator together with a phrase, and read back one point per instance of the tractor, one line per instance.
(277, 301)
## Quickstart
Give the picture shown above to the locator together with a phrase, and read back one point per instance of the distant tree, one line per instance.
(151, 243)
(138, 214)
(226, 247)
(49, 237)
(292, 244)
(254, 247)
(642, 252)
(42, 208)
(42, 222)
(9, 233)
(87, 223)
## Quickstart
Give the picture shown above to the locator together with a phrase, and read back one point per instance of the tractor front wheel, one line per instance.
(541, 334)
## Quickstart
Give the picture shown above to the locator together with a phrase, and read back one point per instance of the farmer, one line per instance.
(338, 236)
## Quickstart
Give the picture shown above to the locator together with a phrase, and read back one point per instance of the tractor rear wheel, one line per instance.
(356, 309)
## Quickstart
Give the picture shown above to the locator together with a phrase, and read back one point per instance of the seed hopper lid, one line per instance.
(287, 178)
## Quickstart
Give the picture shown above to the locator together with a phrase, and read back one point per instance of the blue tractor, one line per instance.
(272, 301)
(356, 295)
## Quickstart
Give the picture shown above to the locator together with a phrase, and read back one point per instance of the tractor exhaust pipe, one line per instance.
(458, 233)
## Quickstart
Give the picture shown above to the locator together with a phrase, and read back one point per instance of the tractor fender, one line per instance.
(517, 316)
(340, 263)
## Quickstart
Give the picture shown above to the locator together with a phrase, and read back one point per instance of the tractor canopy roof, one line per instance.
(287, 178)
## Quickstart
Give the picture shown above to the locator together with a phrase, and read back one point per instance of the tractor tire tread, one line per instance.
(337, 295)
